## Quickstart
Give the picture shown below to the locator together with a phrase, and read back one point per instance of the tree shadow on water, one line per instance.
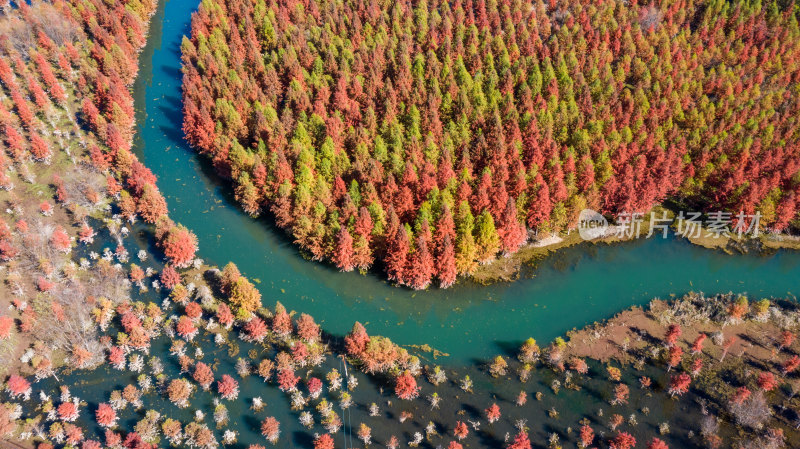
(302, 439)
(509, 348)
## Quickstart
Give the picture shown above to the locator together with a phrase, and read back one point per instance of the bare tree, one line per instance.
(752, 412)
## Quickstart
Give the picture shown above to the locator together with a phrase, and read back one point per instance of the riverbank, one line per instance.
(756, 327)
(507, 268)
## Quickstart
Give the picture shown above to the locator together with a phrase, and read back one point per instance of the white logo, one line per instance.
(591, 224)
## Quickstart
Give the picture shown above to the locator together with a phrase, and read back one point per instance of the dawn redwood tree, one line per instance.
(674, 357)
(492, 413)
(281, 321)
(67, 411)
(786, 340)
(60, 240)
(540, 206)
(740, 395)
(169, 277)
(116, 357)
(307, 329)
(151, 205)
(672, 335)
(270, 429)
(314, 387)
(23, 111)
(512, 233)
(622, 440)
(186, 328)
(73, 433)
(229, 275)
(621, 393)
(193, 310)
(697, 346)
(18, 387)
(136, 274)
(265, 369)
(406, 386)
(255, 329)
(697, 366)
(656, 443)
(461, 430)
(356, 341)
(446, 263)
(287, 380)
(91, 444)
(521, 441)
(679, 384)
(486, 239)
(790, 365)
(179, 245)
(421, 268)
(228, 387)
(6, 326)
(365, 434)
(766, 381)
(106, 416)
(397, 256)
(224, 315)
(324, 441)
(244, 297)
(203, 375)
(343, 256)
(586, 436)
(300, 353)
(14, 141)
(179, 391)
(522, 398)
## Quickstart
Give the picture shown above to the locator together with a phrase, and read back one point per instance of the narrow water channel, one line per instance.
(575, 287)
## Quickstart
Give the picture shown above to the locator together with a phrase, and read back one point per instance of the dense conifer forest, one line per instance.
(429, 137)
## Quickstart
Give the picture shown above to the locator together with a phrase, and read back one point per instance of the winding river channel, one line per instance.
(570, 289)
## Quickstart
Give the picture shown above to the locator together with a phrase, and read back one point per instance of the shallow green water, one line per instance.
(575, 287)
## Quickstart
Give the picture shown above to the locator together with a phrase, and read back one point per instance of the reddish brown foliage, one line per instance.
(655, 443)
(324, 441)
(766, 381)
(307, 329)
(623, 440)
(406, 386)
(356, 341)
(679, 384)
(461, 430)
(673, 333)
(227, 387)
(179, 246)
(105, 415)
(6, 325)
(186, 328)
(203, 375)
(17, 386)
(521, 441)
(256, 329)
(287, 380)
(492, 413)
